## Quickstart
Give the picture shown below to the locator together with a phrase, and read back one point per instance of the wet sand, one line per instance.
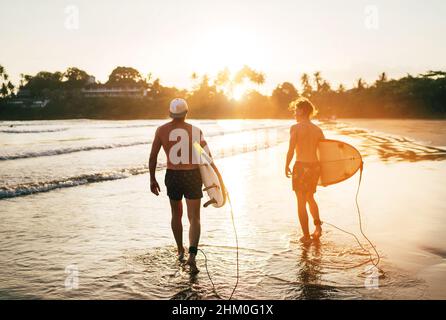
(430, 132)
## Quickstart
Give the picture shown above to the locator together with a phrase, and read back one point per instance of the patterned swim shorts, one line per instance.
(306, 176)
(185, 183)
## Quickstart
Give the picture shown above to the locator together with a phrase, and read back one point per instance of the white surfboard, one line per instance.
(213, 183)
(339, 161)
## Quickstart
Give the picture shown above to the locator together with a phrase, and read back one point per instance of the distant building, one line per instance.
(28, 103)
(91, 80)
(24, 99)
(101, 90)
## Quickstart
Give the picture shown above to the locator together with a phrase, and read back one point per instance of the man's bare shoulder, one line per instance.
(193, 127)
(164, 127)
(319, 130)
(315, 125)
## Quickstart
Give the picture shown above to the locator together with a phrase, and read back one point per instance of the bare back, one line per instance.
(177, 138)
(307, 136)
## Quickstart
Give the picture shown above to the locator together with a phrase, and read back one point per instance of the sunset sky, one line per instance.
(344, 39)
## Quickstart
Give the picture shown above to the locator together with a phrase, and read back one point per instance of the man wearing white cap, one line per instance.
(183, 177)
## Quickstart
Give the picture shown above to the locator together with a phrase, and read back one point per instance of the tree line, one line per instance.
(420, 96)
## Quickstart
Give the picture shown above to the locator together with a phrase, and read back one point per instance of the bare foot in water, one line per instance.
(305, 239)
(192, 264)
(317, 233)
(181, 254)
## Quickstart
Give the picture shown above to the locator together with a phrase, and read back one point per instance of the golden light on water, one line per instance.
(230, 125)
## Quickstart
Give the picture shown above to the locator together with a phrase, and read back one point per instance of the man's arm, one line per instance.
(204, 144)
(290, 153)
(156, 146)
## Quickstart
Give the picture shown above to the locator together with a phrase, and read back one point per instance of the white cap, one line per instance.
(178, 108)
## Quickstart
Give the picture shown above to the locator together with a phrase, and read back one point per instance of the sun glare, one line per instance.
(239, 92)
(228, 47)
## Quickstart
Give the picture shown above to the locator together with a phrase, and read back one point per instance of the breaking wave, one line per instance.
(67, 182)
(54, 152)
(34, 131)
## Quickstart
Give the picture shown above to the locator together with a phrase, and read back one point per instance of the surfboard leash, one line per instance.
(360, 226)
(237, 250)
(236, 243)
(209, 275)
(360, 219)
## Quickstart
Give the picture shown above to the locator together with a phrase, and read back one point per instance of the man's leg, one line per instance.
(314, 210)
(177, 226)
(303, 215)
(193, 213)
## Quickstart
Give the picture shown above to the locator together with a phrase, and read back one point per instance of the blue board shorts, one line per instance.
(185, 183)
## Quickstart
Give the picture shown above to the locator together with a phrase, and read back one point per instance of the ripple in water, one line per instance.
(324, 270)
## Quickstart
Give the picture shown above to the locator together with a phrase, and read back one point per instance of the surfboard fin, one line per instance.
(212, 201)
(210, 187)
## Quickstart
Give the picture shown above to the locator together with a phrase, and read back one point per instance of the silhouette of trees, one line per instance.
(341, 88)
(412, 96)
(75, 78)
(318, 80)
(43, 84)
(282, 95)
(126, 76)
(307, 89)
(7, 88)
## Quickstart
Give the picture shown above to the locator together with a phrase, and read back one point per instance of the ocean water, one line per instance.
(78, 219)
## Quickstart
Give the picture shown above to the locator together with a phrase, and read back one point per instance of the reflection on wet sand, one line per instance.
(309, 272)
(388, 147)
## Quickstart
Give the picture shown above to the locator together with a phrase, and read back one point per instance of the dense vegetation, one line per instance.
(421, 96)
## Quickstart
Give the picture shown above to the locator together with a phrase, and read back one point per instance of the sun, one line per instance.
(239, 92)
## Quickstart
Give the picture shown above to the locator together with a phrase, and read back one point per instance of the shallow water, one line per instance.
(75, 197)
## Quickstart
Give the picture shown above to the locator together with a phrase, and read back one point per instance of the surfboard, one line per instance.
(212, 181)
(339, 161)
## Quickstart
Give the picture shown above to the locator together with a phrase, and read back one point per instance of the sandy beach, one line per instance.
(75, 194)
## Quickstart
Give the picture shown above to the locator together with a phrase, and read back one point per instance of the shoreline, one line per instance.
(220, 118)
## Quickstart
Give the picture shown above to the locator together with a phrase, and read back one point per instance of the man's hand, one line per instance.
(288, 173)
(155, 187)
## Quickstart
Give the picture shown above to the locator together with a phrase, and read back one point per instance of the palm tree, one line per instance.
(305, 79)
(318, 80)
(381, 79)
(325, 86)
(4, 90)
(257, 78)
(306, 86)
(341, 88)
(7, 87)
(223, 78)
(361, 84)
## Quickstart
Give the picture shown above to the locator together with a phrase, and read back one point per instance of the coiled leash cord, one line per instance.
(328, 223)
(360, 226)
(236, 242)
